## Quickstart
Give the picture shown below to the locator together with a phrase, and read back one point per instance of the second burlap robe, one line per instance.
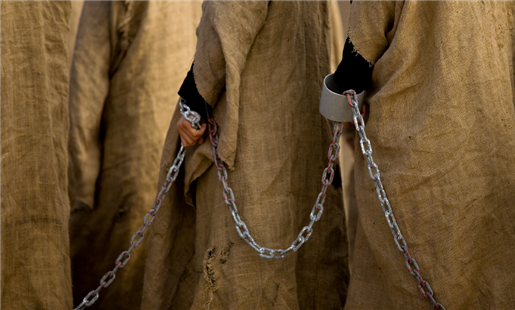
(35, 260)
(129, 61)
(260, 64)
(442, 129)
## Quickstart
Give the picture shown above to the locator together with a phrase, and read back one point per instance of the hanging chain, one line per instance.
(373, 171)
(316, 211)
(137, 238)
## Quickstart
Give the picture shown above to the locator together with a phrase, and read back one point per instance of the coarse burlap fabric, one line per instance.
(34, 117)
(130, 59)
(263, 76)
(337, 34)
(442, 127)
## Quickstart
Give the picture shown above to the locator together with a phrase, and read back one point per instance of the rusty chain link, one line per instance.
(316, 211)
(373, 171)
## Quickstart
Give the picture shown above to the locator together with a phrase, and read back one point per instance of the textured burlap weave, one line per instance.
(442, 127)
(263, 76)
(34, 116)
(130, 59)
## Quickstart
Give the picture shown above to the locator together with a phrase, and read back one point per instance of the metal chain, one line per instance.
(373, 171)
(241, 227)
(137, 238)
(186, 113)
(316, 211)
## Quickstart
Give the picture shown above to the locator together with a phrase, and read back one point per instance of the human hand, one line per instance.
(189, 135)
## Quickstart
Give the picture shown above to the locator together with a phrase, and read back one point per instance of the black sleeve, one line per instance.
(194, 100)
(353, 72)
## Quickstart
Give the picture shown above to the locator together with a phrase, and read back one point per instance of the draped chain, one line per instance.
(373, 172)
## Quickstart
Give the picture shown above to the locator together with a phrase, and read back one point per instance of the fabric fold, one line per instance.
(221, 57)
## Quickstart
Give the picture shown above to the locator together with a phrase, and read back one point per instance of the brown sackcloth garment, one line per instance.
(337, 34)
(260, 64)
(442, 129)
(34, 116)
(129, 62)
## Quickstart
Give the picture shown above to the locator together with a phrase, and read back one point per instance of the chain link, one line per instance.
(373, 171)
(316, 211)
(186, 113)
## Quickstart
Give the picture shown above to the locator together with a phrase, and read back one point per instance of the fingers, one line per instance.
(189, 135)
(200, 132)
(201, 140)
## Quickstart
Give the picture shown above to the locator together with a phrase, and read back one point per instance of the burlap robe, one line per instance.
(34, 116)
(337, 34)
(129, 62)
(442, 129)
(261, 65)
